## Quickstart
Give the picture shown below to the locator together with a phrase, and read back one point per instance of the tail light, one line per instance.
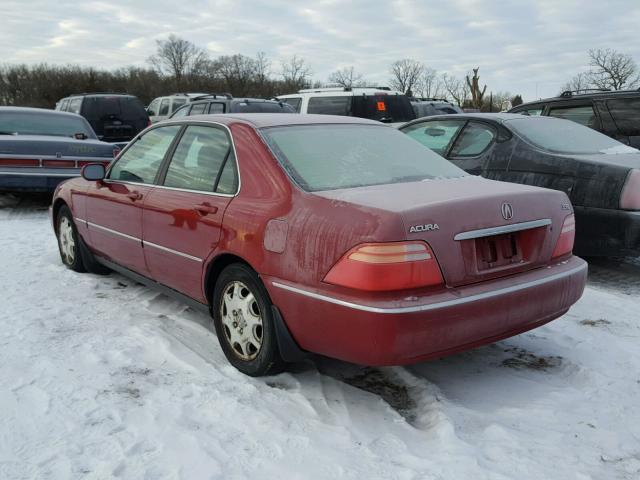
(567, 237)
(378, 267)
(630, 198)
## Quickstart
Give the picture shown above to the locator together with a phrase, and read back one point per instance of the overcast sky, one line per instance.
(521, 46)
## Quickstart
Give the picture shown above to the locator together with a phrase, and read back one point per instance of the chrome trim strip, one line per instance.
(432, 306)
(81, 220)
(114, 232)
(514, 227)
(175, 252)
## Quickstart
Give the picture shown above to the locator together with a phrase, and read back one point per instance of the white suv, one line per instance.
(161, 108)
(375, 103)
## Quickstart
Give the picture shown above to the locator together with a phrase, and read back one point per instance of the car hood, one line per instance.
(51, 145)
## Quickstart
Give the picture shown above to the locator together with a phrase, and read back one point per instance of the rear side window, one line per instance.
(330, 105)
(216, 107)
(141, 161)
(436, 135)
(474, 139)
(64, 105)
(181, 112)
(626, 114)
(583, 115)
(294, 102)
(200, 157)
(164, 107)
(74, 105)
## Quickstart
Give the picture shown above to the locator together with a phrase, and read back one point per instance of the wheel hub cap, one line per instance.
(67, 244)
(242, 320)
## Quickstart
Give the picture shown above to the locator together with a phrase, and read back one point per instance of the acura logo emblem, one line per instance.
(507, 211)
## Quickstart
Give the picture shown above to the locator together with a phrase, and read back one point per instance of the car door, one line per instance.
(182, 219)
(437, 135)
(471, 145)
(114, 206)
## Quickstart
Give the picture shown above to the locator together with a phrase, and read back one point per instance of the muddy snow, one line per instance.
(103, 378)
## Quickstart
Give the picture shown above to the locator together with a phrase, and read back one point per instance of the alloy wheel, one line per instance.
(241, 320)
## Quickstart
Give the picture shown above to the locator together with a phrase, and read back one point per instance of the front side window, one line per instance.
(330, 105)
(181, 112)
(563, 136)
(164, 107)
(583, 115)
(198, 108)
(200, 157)
(332, 156)
(177, 103)
(294, 102)
(474, 139)
(152, 109)
(74, 105)
(142, 160)
(626, 114)
(436, 135)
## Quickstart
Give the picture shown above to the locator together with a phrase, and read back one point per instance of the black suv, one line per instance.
(115, 117)
(225, 103)
(616, 114)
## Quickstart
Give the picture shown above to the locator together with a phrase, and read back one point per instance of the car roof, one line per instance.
(262, 120)
(99, 94)
(569, 96)
(45, 111)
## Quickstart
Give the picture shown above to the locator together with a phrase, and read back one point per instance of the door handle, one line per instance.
(134, 195)
(205, 209)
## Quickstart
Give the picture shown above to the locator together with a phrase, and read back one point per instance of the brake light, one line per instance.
(391, 266)
(59, 163)
(567, 237)
(19, 162)
(630, 198)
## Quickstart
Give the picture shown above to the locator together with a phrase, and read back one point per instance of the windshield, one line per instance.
(565, 136)
(333, 156)
(384, 108)
(34, 123)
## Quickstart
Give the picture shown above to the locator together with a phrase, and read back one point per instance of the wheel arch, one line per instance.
(215, 267)
(58, 203)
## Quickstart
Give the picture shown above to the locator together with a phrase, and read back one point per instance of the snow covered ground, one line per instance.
(103, 378)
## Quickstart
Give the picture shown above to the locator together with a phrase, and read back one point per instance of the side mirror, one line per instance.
(93, 172)
(434, 132)
(80, 136)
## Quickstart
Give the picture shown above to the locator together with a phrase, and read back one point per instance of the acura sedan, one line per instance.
(40, 148)
(325, 234)
(600, 175)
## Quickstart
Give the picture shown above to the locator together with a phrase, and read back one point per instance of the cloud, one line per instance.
(522, 47)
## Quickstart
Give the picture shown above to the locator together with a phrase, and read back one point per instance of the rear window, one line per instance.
(564, 136)
(330, 105)
(329, 156)
(121, 108)
(384, 108)
(28, 123)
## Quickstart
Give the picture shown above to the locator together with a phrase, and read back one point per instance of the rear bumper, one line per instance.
(34, 179)
(409, 330)
(606, 232)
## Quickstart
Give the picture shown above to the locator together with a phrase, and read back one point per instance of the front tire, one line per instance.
(244, 323)
(69, 241)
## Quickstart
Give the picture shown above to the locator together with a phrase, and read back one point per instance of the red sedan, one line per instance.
(315, 233)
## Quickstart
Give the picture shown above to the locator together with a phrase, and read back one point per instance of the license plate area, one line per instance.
(498, 251)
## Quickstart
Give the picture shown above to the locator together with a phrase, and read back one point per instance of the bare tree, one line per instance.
(295, 73)
(456, 89)
(346, 77)
(179, 58)
(430, 85)
(477, 94)
(580, 82)
(406, 75)
(612, 70)
(238, 72)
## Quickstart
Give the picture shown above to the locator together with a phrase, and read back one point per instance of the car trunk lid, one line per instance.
(478, 229)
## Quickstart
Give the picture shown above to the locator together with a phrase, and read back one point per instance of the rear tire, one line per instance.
(243, 320)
